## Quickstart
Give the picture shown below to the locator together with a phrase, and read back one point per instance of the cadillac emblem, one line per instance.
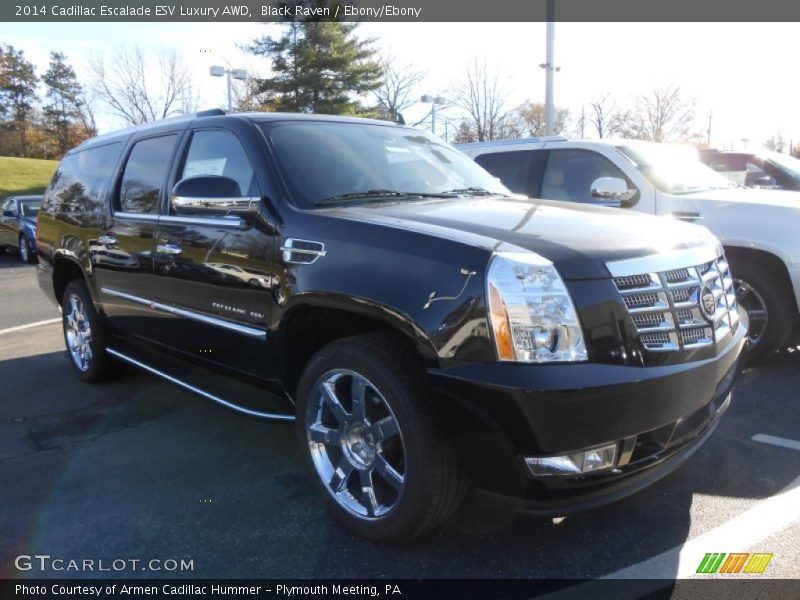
(708, 304)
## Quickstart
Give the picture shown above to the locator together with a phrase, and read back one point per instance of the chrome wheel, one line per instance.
(78, 333)
(24, 251)
(356, 444)
(749, 298)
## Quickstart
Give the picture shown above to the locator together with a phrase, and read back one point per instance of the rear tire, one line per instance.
(769, 306)
(86, 336)
(372, 439)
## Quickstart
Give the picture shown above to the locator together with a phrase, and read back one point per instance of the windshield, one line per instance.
(29, 208)
(329, 162)
(673, 169)
(788, 164)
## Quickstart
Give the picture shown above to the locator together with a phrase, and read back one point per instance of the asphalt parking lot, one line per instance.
(137, 468)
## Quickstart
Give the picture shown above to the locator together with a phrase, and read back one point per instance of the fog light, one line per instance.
(575, 463)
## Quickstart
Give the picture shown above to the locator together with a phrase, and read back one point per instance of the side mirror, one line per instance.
(611, 191)
(211, 194)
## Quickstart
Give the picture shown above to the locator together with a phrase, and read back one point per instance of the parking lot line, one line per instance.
(740, 533)
(776, 441)
(29, 325)
(737, 535)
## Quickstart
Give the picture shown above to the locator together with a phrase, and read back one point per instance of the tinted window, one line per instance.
(323, 162)
(219, 153)
(145, 173)
(80, 182)
(29, 208)
(570, 173)
(512, 168)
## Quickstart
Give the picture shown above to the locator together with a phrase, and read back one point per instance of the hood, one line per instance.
(578, 239)
(749, 196)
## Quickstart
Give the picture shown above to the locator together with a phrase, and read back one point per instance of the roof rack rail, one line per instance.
(528, 140)
(210, 112)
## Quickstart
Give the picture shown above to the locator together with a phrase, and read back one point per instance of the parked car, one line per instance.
(769, 170)
(757, 227)
(18, 226)
(423, 326)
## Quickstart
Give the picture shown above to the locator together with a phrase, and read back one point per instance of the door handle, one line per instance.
(108, 240)
(169, 249)
(687, 216)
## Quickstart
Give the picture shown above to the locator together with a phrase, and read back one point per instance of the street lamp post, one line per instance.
(433, 101)
(550, 69)
(239, 74)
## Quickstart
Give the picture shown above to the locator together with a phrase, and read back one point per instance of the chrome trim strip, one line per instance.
(198, 391)
(226, 221)
(150, 218)
(235, 327)
(666, 261)
(243, 203)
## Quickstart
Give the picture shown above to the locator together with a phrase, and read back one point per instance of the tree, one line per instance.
(531, 122)
(775, 143)
(607, 118)
(18, 92)
(67, 117)
(319, 67)
(664, 114)
(127, 87)
(400, 81)
(483, 97)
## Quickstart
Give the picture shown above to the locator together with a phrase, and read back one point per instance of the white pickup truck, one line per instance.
(759, 228)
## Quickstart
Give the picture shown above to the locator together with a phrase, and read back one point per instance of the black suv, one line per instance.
(423, 326)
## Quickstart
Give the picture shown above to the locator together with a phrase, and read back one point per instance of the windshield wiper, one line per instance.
(472, 191)
(361, 195)
(377, 195)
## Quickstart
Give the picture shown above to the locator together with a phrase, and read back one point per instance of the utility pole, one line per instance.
(549, 69)
(708, 137)
(583, 120)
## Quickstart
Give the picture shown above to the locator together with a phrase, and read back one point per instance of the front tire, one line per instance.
(769, 307)
(371, 437)
(86, 336)
(25, 254)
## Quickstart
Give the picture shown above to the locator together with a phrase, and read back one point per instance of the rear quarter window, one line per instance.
(81, 181)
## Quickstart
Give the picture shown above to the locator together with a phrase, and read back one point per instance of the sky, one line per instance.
(742, 73)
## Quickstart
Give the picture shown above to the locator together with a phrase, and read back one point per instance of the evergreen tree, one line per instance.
(318, 67)
(65, 113)
(18, 92)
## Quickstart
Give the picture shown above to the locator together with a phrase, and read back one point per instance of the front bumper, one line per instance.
(659, 415)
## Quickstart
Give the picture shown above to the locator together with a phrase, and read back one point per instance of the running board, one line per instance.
(198, 391)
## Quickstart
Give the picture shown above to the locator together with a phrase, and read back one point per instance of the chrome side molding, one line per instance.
(181, 312)
(198, 391)
(223, 221)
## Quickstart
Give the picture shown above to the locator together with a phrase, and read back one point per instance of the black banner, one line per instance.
(400, 10)
(513, 589)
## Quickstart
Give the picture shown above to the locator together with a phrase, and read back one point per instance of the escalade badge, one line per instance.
(708, 304)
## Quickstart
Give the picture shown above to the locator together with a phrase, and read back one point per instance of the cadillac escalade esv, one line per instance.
(425, 328)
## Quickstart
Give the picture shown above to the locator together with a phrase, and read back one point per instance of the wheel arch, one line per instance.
(316, 320)
(65, 270)
(767, 260)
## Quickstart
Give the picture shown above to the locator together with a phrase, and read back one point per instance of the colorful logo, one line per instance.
(741, 562)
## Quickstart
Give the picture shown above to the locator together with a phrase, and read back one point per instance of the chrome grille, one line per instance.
(666, 308)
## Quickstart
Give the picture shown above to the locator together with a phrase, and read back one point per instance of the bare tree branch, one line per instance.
(664, 114)
(123, 84)
(483, 97)
(399, 84)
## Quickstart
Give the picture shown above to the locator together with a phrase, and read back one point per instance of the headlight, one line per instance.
(532, 316)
